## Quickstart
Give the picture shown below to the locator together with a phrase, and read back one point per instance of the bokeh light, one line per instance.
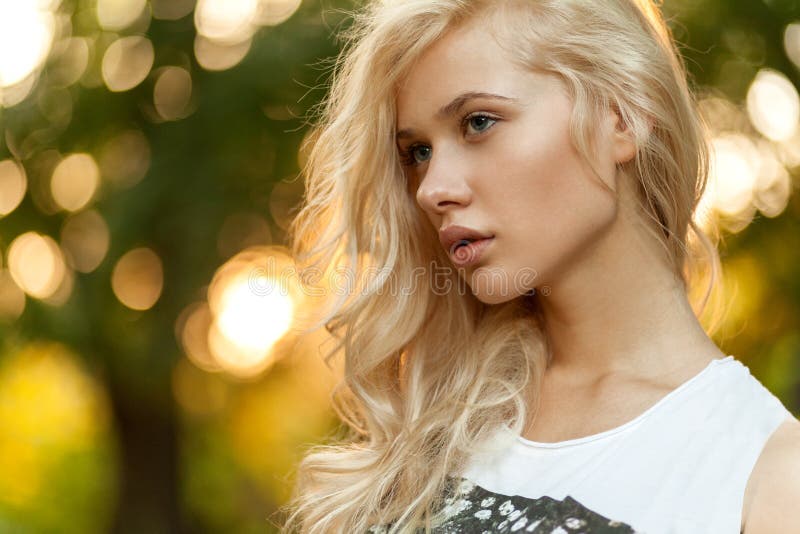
(127, 62)
(36, 264)
(791, 42)
(57, 107)
(75, 181)
(64, 290)
(138, 279)
(748, 172)
(85, 239)
(774, 184)
(12, 298)
(125, 158)
(252, 298)
(116, 15)
(228, 21)
(734, 170)
(789, 151)
(39, 168)
(214, 56)
(68, 61)
(253, 322)
(732, 178)
(54, 416)
(13, 185)
(11, 96)
(172, 93)
(191, 331)
(274, 12)
(773, 105)
(26, 34)
(225, 28)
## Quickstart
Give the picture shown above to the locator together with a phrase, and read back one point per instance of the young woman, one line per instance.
(512, 184)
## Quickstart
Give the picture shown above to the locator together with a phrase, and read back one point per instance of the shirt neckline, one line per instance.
(527, 443)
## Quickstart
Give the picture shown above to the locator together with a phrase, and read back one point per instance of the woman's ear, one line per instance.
(623, 138)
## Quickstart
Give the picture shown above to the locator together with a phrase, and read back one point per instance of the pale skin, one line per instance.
(621, 330)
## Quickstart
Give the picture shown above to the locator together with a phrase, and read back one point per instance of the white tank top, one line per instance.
(680, 467)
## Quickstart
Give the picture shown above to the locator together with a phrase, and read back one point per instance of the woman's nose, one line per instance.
(442, 186)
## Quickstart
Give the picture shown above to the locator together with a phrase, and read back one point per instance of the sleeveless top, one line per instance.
(680, 467)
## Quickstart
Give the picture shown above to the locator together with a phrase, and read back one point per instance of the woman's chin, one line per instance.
(493, 286)
(493, 295)
(492, 300)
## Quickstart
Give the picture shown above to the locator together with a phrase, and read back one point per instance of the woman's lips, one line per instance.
(467, 255)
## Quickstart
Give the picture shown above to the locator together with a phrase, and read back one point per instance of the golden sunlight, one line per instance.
(26, 33)
(252, 299)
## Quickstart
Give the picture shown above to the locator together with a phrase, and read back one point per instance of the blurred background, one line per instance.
(149, 166)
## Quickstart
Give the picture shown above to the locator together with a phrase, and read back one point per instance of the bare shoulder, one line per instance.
(773, 490)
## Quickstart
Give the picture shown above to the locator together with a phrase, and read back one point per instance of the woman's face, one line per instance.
(503, 165)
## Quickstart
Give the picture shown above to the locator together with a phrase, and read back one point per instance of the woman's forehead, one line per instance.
(437, 94)
(465, 58)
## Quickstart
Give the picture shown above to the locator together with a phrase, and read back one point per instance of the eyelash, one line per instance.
(407, 155)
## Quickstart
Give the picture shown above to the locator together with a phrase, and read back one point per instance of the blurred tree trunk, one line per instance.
(149, 490)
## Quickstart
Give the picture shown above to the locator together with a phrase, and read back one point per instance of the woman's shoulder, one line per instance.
(736, 379)
(774, 488)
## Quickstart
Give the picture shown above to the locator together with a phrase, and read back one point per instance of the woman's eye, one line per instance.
(424, 152)
(480, 122)
(419, 154)
(416, 155)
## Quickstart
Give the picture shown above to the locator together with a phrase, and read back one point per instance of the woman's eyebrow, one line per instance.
(454, 106)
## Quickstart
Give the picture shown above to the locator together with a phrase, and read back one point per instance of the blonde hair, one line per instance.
(429, 375)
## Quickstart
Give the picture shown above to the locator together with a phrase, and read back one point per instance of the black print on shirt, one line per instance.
(480, 511)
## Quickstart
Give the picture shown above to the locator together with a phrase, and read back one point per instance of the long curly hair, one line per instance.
(429, 374)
